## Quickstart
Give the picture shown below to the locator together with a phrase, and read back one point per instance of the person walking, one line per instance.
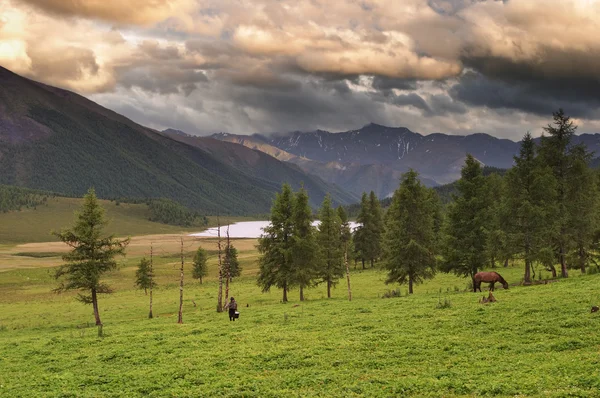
(232, 306)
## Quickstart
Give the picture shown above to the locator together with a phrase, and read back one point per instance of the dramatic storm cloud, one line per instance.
(244, 66)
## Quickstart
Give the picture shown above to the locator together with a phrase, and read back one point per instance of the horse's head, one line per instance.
(505, 285)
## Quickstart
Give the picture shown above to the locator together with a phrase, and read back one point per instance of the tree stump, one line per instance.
(595, 309)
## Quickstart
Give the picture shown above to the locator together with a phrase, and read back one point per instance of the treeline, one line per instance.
(544, 212)
(15, 198)
(167, 211)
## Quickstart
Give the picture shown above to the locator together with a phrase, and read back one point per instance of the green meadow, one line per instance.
(540, 340)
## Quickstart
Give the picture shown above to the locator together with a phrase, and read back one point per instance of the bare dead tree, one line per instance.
(220, 295)
(151, 284)
(180, 318)
(227, 266)
(347, 270)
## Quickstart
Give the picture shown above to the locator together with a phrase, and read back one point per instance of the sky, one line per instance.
(247, 66)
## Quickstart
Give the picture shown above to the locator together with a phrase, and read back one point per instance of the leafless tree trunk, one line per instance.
(180, 318)
(347, 270)
(220, 295)
(151, 273)
(227, 267)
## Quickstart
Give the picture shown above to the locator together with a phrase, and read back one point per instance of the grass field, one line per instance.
(535, 341)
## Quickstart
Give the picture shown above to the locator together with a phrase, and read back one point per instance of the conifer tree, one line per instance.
(376, 226)
(496, 244)
(91, 256)
(409, 240)
(346, 239)
(304, 250)
(464, 245)
(363, 233)
(275, 261)
(530, 197)
(582, 199)
(199, 267)
(329, 238)
(554, 152)
(144, 276)
(231, 258)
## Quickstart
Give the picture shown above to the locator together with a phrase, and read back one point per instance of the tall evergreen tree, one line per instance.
(530, 197)
(496, 243)
(464, 245)
(231, 259)
(329, 238)
(346, 240)
(363, 234)
(304, 250)
(554, 152)
(275, 261)
(582, 199)
(144, 276)
(409, 241)
(91, 256)
(376, 226)
(199, 267)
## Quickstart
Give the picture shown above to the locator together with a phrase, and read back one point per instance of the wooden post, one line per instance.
(151, 282)
(220, 295)
(180, 318)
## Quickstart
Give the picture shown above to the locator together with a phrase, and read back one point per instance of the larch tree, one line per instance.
(92, 255)
(409, 241)
(464, 245)
(496, 243)
(231, 258)
(304, 249)
(332, 255)
(377, 228)
(274, 246)
(363, 235)
(144, 278)
(554, 152)
(530, 197)
(199, 264)
(346, 240)
(582, 197)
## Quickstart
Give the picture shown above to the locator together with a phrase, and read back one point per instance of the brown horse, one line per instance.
(489, 277)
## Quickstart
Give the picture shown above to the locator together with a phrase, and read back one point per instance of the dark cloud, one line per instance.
(162, 79)
(388, 83)
(541, 96)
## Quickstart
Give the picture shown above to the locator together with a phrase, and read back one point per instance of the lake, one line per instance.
(246, 229)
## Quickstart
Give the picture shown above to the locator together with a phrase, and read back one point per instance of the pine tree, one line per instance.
(305, 250)
(582, 199)
(144, 276)
(363, 234)
(275, 261)
(554, 152)
(332, 255)
(496, 244)
(199, 267)
(530, 199)
(231, 258)
(409, 240)
(464, 245)
(92, 255)
(346, 239)
(376, 226)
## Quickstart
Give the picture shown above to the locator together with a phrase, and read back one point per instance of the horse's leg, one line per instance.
(492, 286)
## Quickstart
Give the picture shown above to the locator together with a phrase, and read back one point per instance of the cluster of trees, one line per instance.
(544, 211)
(294, 253)
(15, 198)
(167, 211)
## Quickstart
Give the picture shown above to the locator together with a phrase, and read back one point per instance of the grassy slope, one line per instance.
(535, 341)
(31, 225)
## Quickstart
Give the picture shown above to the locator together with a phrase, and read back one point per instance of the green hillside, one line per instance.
(35, 224)
(55, 140)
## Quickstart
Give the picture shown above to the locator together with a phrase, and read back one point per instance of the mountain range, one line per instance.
(373, 157)
(56, 140)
